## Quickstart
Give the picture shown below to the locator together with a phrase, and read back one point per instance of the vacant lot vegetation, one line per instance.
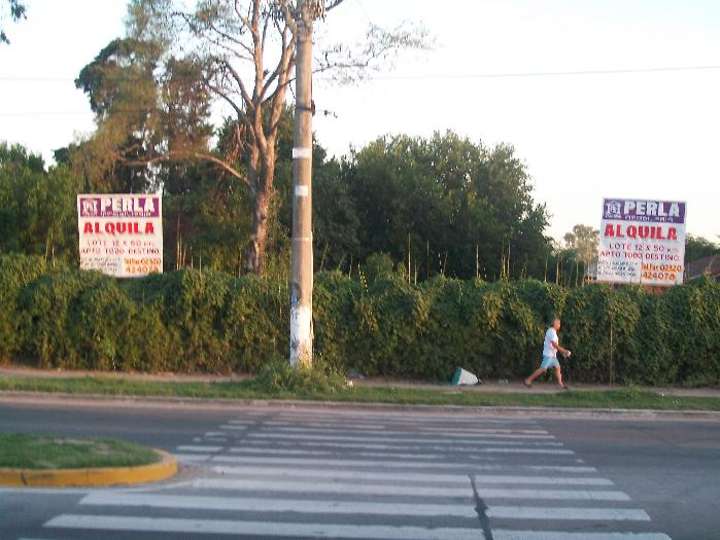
(191, 321)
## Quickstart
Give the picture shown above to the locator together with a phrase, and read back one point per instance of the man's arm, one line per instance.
(557, 347)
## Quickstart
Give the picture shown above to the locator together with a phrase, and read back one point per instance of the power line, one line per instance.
(488, 75)
(48, 113)
(508, 75)
(536, 74)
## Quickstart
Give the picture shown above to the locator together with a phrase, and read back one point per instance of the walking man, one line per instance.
(550, 349)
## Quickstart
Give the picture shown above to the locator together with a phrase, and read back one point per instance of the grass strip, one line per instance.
(24, 451)
(625, 398)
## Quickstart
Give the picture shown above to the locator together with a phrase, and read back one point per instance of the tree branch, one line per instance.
(175, 156)
(249, 103)
(286, 57)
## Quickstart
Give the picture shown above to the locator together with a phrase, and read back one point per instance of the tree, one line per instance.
(697, 247)
(584, 241)
(336, 223)
(206, 220)
(581, 247)
(37, 207)
(17, 11)
(145, 105)
(446, 205)
(244, 53)
(124, 96)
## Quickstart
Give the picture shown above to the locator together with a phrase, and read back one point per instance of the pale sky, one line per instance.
(584, 137)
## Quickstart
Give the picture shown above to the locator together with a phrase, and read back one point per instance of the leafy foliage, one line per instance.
(278, 377)
(438, 206)
(148, 108)
(16, 272)
(445, 205)
(37, 207)
(379, 324)
(583, 240)
(16, 10)
(697, 247)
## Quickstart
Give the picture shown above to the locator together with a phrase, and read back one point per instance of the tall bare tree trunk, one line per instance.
(262, 174)
(256, 250)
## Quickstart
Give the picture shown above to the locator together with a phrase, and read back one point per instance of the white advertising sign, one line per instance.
(121, 235)
(642, 241)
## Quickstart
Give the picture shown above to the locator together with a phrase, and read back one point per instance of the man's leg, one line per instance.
(534, 376)
(558, 376)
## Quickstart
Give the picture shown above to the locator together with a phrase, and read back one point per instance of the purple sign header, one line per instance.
(644, 210)
(119, 206)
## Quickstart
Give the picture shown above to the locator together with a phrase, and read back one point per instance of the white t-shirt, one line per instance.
(548, 349)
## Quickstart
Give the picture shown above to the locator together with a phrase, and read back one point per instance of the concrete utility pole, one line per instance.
(301, 281)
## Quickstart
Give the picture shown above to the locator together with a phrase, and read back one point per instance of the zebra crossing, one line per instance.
(293, 473)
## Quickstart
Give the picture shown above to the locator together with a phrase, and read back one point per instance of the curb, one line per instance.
(234, 404)
(99, 477)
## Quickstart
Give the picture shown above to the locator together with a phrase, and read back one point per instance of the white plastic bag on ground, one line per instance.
(464, 378)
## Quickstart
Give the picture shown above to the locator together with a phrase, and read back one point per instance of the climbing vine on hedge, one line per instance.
(191, 321)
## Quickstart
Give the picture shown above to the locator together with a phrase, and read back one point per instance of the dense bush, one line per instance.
(16, 272)
(193, 321)
(277, 376)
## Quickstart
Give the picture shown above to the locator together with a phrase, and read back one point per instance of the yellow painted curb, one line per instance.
(106, 476)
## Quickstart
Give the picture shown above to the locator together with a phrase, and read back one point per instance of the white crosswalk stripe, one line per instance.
(572, 513)
(233, 427)
(308, 452)
(444, 430)
(525, 451)
(373, 476)
(552, 494)
(410, 447)
(450, 435)
(257, 528)
(191, 448)
(349, 462)
(559, 535)
(209, 440)
(395, 440)
(344, 418)
(410, 477)
(390, 460)
(291, 426)
(279, 505)
(318, 486)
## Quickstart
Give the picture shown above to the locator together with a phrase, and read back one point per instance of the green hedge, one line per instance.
(189, 321)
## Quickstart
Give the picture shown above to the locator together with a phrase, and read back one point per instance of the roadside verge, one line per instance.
(141, 402)
(163, 469)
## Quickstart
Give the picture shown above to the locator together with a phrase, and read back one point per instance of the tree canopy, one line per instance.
(446, 205)
(442, 205)
(15, 10)
(438, 205)
(37, 206)
(584, 241)
(152, 91)
(697, 247)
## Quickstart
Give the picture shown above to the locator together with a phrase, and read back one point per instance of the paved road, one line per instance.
(293, 473)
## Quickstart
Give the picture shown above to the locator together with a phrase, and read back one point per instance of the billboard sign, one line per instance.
(121, 234)
(642, 241)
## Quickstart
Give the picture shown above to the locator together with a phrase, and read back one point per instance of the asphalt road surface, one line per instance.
(275, 472)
